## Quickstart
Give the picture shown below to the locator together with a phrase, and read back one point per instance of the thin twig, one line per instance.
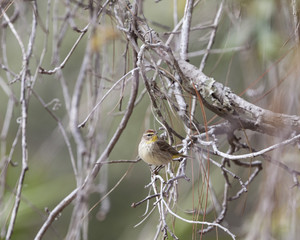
(63, 63)
(212, 36)
(135, 204)
(109, 192)
(255, 154)
(82, 33)
(198, 222)
(63, 131)
(121, 161)
(105, 95)
(218, 51)
(24, 106)
(222, 214)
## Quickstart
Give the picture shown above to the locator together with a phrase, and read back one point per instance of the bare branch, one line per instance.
(185, 32)
(199, 222)
(24, 110)
(106, 94)
(212, 35)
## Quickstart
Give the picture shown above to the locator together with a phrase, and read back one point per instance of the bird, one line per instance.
(156, 151)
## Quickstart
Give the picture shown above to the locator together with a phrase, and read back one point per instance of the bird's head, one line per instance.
(150, 135)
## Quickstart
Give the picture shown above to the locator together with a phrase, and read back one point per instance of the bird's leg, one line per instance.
(156, 170)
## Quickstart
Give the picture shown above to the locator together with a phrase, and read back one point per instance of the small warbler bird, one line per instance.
(156, 151)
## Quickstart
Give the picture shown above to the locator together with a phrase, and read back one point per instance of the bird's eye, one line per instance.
(149, 134)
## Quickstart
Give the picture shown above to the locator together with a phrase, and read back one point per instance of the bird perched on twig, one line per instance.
(156, 151)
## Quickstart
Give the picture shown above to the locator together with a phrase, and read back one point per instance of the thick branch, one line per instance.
(219, 98)
(222, 101)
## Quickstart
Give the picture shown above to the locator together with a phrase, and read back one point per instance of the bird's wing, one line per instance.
(164, 146)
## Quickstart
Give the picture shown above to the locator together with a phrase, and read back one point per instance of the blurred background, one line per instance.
(255, 53)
